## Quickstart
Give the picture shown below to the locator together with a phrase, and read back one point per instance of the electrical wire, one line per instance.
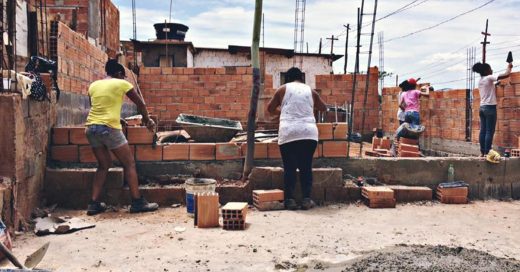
(440, 23)
(399, 10)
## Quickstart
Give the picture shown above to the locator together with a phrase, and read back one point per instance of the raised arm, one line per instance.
(506, 73)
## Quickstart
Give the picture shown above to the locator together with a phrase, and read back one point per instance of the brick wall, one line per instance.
(85, 18)
(24, 145)
(508, 113)
(444, 113)
(338, 89)
(212, 92)
(79, 64)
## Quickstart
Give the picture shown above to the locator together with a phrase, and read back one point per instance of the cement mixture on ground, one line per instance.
(331, 238)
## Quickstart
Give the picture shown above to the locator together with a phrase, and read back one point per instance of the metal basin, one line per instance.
(207, 129)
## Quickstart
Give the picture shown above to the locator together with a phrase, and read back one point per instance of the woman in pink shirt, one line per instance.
(410, 102)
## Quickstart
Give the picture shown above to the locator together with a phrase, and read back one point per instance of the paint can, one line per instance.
(194, 186)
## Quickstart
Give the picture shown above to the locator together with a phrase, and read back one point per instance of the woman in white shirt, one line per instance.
(488, 103)
(295, 102)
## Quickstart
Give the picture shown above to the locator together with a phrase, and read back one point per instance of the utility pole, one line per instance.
(332, 39)
(346, 49)
(485, 42)
(319, 51)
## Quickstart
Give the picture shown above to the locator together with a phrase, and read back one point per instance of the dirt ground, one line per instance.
(331, 238)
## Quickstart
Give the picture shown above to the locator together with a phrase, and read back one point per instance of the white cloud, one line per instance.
(220, 23)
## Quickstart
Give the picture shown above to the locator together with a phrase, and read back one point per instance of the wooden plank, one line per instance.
(207, 210)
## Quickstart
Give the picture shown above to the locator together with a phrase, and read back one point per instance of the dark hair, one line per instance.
(293, 74)
(481, 68)
(406, 86)
(112, 67)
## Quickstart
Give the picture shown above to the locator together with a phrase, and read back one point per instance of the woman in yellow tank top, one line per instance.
(104, 133)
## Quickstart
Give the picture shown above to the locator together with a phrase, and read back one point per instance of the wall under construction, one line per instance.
(444, 115)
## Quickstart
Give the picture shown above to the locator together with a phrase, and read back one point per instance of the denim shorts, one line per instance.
(101, 135)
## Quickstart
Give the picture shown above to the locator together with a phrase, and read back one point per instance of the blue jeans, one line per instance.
(412, 118)
(488, 120)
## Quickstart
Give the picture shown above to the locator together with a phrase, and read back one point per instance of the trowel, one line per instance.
(509, 57)
(32, 260)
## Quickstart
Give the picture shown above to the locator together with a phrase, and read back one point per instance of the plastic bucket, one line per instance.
(197, 185)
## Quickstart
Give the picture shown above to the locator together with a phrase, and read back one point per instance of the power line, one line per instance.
(399, 10)
(456, 80)
(441, 23)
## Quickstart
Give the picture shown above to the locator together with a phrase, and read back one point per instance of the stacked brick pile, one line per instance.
(337, 89)
(378, 197)
(407, 148)
(265, 200)
(380, 147)
(211, 92)
(234, 216)
(453, 195)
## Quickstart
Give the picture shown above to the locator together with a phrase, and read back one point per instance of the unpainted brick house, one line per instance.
(172, 51)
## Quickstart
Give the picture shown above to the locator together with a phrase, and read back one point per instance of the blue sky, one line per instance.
(437, 55)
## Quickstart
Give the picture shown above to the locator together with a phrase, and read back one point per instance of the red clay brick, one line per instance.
(335, 149)
(325, 131)
(86, 154)
(340, 131)
(202, 151)
(410, 148)
(228, 151)
(139, 135)
(260, 150)
(60, 136)
(409, 154)
(77, 136)
(65, 153)
(148, 153)
(273, 151)
(176, 152)
(408, 141)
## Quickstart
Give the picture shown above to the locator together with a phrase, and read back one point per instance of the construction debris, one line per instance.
(234, 215)
(268, 200)
(59, 225)
(378, 197)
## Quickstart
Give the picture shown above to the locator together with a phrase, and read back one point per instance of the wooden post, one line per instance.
(485, 42)
(346, 49)
(248, 165)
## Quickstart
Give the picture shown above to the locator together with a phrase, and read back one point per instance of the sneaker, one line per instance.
(290, 204)
(141, 205)
(95, 207)
(308, 204)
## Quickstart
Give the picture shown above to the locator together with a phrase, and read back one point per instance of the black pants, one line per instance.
(298, 155)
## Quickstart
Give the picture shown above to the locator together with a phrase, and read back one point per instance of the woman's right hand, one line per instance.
(151, 125)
